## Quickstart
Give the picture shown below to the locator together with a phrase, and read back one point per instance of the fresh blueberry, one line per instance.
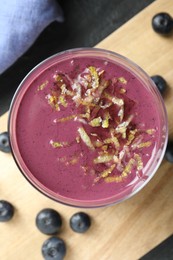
(48, 221)
(80, 222)
(53, 248)
(160, 83)
(6, 211)
(169, 151)
(162, 23)
(4, 142)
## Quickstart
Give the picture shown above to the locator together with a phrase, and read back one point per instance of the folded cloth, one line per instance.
(21, 21)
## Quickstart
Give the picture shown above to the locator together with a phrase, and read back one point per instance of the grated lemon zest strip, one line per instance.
(85, 138)
(145, 144)
(150, 131)
(111, 179)
(95, 77)
(122, 80)
(64, 119)
(128, 168)
(138, 158)
(43, 85)
(108, 171)
(103, 158)
(56, 144)
(95, 122)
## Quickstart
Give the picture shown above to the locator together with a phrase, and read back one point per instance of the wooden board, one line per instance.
(125, 231)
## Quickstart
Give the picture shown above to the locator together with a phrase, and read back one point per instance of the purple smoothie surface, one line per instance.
(87, 129)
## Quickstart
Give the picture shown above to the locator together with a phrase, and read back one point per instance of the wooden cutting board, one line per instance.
(125, 231)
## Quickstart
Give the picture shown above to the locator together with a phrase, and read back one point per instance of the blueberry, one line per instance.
(4, 142)
(80, 222)
(169, 151)
(6, 211)
(48, 221)
(53, 248)
(162, 23)
(160, 83)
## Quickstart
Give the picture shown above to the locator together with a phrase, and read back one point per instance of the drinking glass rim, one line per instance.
(105, 54)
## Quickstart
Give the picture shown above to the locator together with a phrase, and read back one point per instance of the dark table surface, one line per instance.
(87, 22)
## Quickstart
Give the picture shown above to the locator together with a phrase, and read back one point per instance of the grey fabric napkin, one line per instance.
(21, 21)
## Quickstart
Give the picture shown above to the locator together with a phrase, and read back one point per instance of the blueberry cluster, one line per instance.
(162, 23)
(49, 222)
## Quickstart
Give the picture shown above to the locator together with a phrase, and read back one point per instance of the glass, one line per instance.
(108, 56)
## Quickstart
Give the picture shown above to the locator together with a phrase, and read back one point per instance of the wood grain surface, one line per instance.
(122, 232)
